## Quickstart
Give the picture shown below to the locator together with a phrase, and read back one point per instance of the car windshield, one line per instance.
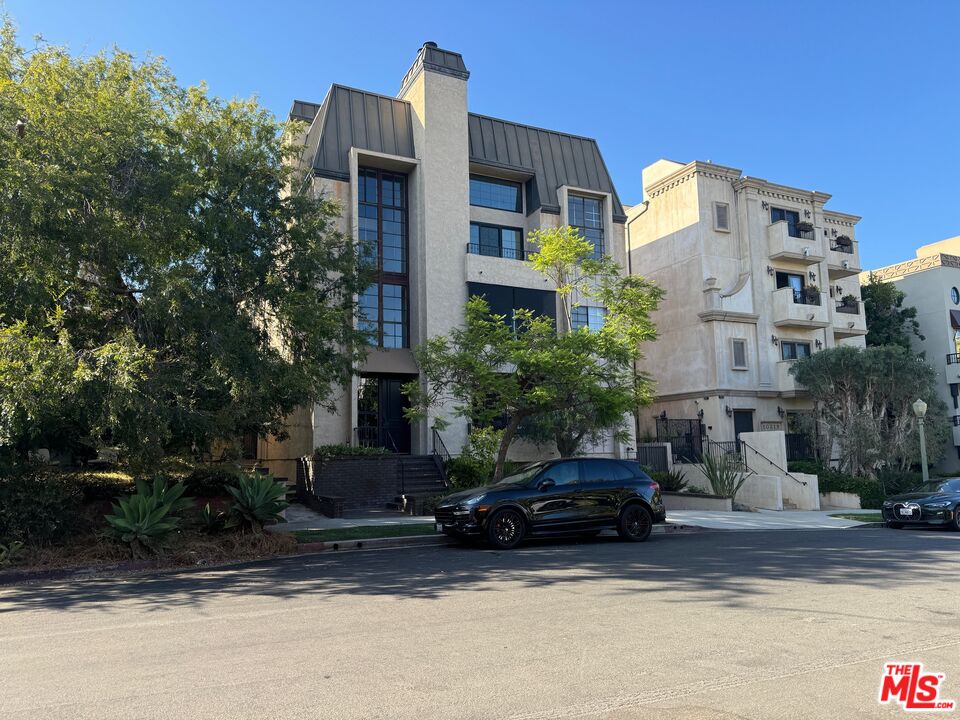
(935, 486)
(522, 477)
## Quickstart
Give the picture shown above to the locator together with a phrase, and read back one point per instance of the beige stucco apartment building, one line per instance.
(756, 275)
(445, 198)
(931, 282)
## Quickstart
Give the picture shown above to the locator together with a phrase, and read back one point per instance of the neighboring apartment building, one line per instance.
(931, 283)
(756, 275)
(446, 198)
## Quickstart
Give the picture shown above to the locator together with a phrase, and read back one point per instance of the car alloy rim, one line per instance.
(507, 527)
(636, 522)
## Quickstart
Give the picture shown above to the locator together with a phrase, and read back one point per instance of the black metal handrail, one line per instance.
(953, 358)
(726, 448)
(847, 249)
(439, 447)
(783, 470)
(802, 297)
(851, 308)
(502, 252)
(956, 420)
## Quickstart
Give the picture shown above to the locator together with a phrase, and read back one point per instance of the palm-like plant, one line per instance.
(257, 500)
(723, 473)
(145, 519)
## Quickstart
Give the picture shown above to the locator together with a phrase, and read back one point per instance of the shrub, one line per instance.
(38, 508)
(669, 480)
(211, 480)
(258, 499)
(100, 484)
(145, 519)
(723, 474)
(325, 452)
(895, 482)
(9, 554)
(476, 462)
(870, 492)
(212, 521)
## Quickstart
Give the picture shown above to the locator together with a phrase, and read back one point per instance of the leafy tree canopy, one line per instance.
(888, 321)
(865, 397)
(486, 369)
(160, 289)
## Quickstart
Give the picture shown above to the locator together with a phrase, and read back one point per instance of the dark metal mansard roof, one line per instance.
(368, 121)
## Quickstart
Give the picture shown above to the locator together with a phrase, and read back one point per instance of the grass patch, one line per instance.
(862, 517)
(365, 532)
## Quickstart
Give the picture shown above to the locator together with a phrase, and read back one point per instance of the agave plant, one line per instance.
(145, 519)
(257, 500)
(9, 554)
(724, 474)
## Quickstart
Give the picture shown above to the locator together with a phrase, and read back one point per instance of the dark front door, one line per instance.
(380, 419)
(742, 422)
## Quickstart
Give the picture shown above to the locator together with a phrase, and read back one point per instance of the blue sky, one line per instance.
(857, 99)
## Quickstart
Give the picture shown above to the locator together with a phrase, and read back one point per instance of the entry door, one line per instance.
(380, 420)
(395, 429)
(742, 422)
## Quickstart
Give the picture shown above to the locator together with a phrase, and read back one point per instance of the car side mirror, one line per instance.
(546, 484)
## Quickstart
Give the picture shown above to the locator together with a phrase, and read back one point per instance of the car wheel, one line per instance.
(956, 519)
(635, 523)
(505, 529)
(894, 525)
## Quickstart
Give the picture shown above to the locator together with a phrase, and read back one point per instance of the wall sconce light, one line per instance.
(813, 275)
(811, 316)
(770, 270)
(818, 343)
(729, 411)
(806, 213)
(700, 413)
(780, 411)
(764, 204)
(850, 325)
(774, 339)
(663, 415)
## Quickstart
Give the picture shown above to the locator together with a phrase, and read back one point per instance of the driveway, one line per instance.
(761, 625)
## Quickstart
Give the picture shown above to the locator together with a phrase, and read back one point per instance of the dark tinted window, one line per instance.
(503, 299)
(565, 473)
(604, 471)
(496, 194)
(585, 214)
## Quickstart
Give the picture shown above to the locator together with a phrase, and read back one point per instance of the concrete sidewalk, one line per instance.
(763, 519)
(303, 518)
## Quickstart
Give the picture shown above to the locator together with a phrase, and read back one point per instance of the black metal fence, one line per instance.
(685, 437)
(799, 447)
(653, 457)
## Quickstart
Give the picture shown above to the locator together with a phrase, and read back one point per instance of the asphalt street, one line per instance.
(782, 624)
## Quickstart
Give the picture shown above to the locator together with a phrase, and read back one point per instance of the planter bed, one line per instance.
(695, 501)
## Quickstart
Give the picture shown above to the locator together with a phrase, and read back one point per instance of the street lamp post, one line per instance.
(920, 410)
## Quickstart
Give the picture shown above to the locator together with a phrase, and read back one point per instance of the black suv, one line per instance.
(581, 495)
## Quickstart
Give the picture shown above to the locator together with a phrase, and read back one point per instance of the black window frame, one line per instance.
(788, 216)
(795, 344)
(599, 247)
(579, 309)
(503, 182)
(520, 253)
(382, 277)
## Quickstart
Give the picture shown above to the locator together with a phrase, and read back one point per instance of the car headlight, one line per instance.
(887, 503)
(939, 504)
(465, 506)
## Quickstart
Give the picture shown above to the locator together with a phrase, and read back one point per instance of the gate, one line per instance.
(685, 436)
(799, 447)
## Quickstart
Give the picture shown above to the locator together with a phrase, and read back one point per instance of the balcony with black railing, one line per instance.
(799, 308)
(843, 258)
(786, 242)
(509, 253)
(952, 368)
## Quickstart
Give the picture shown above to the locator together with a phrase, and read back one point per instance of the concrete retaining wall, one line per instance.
(759, 491)
(805, 497)
(840, 500)
(689, 501)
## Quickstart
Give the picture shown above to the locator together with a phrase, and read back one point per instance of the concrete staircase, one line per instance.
(418, 477)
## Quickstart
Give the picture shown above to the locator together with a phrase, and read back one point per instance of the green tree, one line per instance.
(865, 398)
(888, 321)
(160, 287)
(487, 369)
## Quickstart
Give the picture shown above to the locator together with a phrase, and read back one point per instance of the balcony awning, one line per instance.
(955, 319)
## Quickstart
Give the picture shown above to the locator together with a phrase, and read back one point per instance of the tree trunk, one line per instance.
(508, 432)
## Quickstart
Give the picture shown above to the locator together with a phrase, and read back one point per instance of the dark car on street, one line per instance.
(934, 503)
(567, 496)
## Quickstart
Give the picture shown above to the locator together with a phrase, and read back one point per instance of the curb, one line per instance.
(135, 568)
